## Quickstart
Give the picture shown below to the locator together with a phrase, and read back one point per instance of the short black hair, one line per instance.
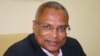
(50, 4)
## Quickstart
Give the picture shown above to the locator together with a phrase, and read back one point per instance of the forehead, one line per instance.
(52, 15)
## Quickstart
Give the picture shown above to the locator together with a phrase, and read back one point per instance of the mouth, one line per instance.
(53, 43)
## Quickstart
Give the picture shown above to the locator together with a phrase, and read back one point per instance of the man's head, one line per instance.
(50, 24)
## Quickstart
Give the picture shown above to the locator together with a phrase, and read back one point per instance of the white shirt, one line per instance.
(50, 54)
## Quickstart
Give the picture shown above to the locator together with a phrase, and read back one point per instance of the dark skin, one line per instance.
(51, 40)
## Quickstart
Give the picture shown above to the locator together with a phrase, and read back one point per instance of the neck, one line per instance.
(55, 53)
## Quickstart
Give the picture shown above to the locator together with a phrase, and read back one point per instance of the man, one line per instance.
(50, 36)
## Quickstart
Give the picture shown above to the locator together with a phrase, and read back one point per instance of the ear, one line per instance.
(33, 25)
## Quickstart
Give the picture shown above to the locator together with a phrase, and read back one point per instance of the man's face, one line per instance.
(50, 29)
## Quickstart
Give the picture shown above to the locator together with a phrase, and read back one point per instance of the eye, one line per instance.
(62, 29)
(46, 27)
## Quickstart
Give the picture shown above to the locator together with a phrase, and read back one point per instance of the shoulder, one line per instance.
(71, 41)
(23, 43)
(73, 47)
(21, 47)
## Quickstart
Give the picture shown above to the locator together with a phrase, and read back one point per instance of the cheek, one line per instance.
(62, 39)
(42, 36)
(62, 36)
(45, 34)
(41, 33)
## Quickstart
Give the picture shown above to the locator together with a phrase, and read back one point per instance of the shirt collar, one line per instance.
(50, 54)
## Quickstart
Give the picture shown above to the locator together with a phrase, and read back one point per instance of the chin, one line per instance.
(53, 49)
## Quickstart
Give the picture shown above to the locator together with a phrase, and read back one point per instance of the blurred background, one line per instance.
(16, 17)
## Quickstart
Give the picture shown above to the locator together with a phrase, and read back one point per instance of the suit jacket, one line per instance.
(29, 47)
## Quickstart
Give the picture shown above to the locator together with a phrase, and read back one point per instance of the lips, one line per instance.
(53, 43)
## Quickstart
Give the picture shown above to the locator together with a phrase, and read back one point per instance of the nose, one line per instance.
(54, 33)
